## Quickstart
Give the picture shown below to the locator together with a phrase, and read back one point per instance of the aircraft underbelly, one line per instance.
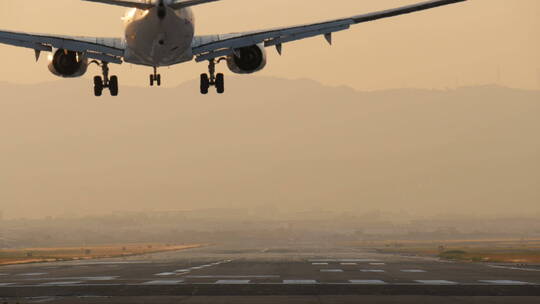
(160, 42)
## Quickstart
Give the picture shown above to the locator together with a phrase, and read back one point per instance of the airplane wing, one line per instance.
(213, 46)
(103, 49)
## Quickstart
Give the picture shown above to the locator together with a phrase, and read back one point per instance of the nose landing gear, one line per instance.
(102, 82)
(155, 78)
(213, 79)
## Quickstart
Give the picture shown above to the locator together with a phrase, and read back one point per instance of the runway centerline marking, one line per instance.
(349, 263)
(319, 264)
(6, 284)
(368, 282)
(377, 264)
(505, 282)
(300, 282)
(331, 270)
(232, 276)
(164, 274)
(372, 270)
(513, 268)
(32, 274)
(343, 260)
(104, 278)
(436, 282)
(67, 283)
(413, 270)
(232, 282)
(163, 282)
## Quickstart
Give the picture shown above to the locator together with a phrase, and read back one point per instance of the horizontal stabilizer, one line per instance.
(126, 3)
(178, 4)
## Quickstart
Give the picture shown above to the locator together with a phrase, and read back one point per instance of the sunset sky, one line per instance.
(477, 42)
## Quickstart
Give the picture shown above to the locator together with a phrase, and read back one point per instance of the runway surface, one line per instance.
(229, 274)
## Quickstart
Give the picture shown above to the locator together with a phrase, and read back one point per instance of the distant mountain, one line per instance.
(295, 144)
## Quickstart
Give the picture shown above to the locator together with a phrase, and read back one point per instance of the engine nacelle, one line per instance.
(247, 60)
(68, 64)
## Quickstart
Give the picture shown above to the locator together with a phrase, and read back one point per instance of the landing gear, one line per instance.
(155, 78)
(102, 82)
(212, 79)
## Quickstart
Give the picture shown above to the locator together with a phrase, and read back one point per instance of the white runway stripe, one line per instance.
(436, 282)
(163, 282)
(377, 264)
(331, 270)
(32, 274)
(104, 278)
(349, 263)
(299, 282)
(68, 283)
(505, 282)
(372, 270)
(344, 260)
(231, 276)
(368, 282)
(319, 263)
(163, 274)
(413, 270)
(232, 282)
(6, 284)
(3, 274)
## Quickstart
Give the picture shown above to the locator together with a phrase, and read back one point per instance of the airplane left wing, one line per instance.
(214, 46)
(103, 49)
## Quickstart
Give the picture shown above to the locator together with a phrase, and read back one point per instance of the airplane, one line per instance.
(161, 33)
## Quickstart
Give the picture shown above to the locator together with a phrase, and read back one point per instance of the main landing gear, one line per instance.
(101, 83)
(213, 79)
(155, 78)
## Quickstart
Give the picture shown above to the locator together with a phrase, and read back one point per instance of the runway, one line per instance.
(229, 274)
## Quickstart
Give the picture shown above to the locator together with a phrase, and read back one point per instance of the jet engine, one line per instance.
(247, 60)
(68, 64)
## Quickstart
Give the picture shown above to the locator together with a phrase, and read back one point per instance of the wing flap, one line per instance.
(126, 3)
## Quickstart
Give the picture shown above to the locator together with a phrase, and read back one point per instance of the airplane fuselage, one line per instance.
(160, 36)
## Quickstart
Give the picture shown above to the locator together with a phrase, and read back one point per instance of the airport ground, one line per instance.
(255, 273)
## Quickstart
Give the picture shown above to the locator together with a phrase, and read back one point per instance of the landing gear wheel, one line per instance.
(220, 83)
(158, 79)
(113, 86)
(205, 84)
(98, 86)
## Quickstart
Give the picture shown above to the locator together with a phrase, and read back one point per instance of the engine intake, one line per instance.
(68, 64)
(247, 60)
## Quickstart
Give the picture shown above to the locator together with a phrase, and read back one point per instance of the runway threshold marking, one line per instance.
(413, 270)
(368, 282)
(163, 282)
(299, 282)
(505, 282)
(436, 282)
(331, 270)
(372, 270)
(232, 282)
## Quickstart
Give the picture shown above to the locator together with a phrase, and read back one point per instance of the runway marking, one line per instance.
(344, 260)
(319, 263)
(377, 264)
(32, 274)
(104, 278)
(331, 270)
(3, 274)
(505, 282)
(368, 282)
(232, 276)
(299, 282)
(163, 274)
(68, 283)
(163, 282)
(6, 284)
(413, 270)
(372, 270)
(436, 282)
(232, 282)
(513, 268)
(349, 263)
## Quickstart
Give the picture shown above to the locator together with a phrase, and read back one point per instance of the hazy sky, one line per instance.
(480, 41)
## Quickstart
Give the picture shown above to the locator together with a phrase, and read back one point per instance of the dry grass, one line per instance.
(36, 255)
(490, 250)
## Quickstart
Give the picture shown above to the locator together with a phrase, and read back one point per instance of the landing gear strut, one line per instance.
(102, 82)
(213, 79)
(155, 78)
